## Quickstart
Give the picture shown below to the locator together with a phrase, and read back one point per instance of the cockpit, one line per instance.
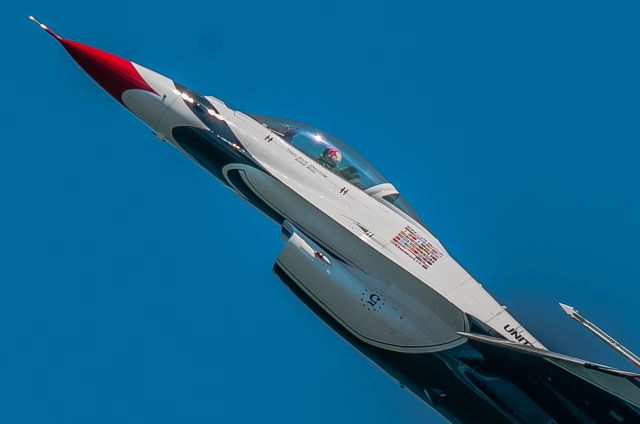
(337, 157)
(325, 149)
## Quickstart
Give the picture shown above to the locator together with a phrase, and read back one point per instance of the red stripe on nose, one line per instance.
(115, 74)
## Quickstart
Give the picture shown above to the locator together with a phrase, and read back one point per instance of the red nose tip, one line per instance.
(115, 74)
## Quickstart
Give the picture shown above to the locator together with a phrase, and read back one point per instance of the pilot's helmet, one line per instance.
(332, 156)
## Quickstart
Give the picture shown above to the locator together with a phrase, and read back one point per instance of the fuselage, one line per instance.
(361, 229)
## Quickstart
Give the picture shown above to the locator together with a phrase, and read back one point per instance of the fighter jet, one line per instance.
(364, 262)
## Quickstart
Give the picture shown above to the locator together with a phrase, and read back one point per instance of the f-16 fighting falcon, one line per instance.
(363, 261)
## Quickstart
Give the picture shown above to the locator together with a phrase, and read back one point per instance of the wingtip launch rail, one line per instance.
(607, 339)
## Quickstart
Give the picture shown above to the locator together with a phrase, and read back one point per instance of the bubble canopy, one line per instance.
(337, 157)
(325, 149)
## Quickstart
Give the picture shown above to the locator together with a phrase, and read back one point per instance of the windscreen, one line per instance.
(325, 149)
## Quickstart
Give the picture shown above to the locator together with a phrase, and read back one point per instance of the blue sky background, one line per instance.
(133, 288)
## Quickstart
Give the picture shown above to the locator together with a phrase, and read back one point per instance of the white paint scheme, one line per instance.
(446, 276)
(378, 313)
(444, 318)
(150, 107)
(161, 84)
(445, 289)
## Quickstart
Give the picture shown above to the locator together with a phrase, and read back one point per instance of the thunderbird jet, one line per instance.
(363, 261)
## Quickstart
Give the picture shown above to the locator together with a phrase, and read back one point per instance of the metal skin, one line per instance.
(372, 272)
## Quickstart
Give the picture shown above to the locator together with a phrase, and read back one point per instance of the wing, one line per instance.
(574, 377)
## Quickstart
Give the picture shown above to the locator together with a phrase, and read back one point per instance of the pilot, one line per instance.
(330, 157)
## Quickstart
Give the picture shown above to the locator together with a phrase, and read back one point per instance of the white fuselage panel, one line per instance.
(360, 229)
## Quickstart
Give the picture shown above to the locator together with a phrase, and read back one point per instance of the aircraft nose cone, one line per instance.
(113, 73)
